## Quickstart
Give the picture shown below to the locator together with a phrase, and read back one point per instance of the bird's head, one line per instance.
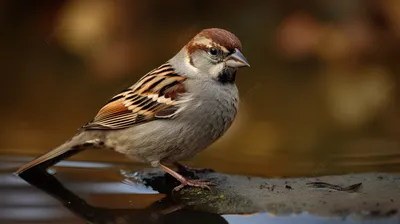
(215, 53)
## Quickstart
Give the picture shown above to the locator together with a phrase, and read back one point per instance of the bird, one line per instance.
(170, 114)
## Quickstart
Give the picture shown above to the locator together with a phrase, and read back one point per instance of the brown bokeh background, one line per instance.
(321, 96)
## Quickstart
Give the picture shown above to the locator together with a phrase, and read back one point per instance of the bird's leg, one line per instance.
(189, 171)
(184, 181)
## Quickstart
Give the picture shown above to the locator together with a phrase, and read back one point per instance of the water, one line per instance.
(89, 192)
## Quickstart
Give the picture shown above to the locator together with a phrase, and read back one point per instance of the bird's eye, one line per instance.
(213, 51)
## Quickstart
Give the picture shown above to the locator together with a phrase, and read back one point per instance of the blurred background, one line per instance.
(321, 96)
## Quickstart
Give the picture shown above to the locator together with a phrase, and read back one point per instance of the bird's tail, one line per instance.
(68, 149)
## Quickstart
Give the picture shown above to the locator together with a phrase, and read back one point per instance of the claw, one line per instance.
(187, 182)
(195, 183)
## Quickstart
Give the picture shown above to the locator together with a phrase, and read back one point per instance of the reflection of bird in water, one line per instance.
(171, 113)
(164, 211)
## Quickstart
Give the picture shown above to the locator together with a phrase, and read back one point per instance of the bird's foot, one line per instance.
(194, 183)
(186, 181)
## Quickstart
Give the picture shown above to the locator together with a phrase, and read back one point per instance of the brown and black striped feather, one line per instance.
(155, 95)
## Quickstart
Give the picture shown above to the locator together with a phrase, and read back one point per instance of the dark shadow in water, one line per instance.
(163, 211)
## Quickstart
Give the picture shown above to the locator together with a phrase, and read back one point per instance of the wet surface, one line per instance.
(82, 192)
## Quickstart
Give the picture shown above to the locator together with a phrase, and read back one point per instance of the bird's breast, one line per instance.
(211, 109)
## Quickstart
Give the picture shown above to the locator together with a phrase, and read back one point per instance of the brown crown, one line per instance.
(221, 37)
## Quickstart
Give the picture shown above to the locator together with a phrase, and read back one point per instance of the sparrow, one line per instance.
(170, 114)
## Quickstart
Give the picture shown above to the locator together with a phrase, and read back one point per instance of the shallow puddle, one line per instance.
(94, 192)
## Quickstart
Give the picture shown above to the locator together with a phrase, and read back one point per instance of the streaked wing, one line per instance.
(155, 95)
